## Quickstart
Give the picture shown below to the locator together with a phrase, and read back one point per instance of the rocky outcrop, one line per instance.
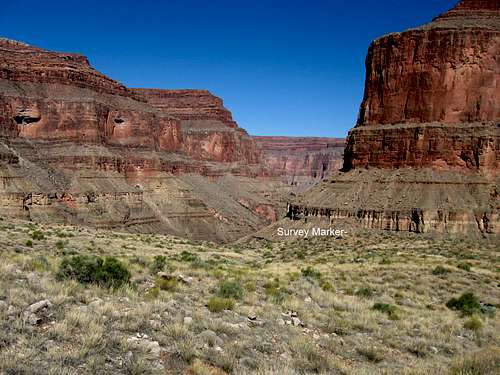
(424, 155)
(301, 159)
(208, 128)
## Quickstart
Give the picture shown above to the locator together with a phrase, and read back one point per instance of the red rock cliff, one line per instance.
(301, 159)
(433, 82)
(58, 97)
(208, 128)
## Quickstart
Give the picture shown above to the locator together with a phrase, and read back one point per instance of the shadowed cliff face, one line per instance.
(424, 155)
(301, 160)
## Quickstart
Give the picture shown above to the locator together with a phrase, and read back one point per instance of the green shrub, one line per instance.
(440, 270)
(37, 235)
(106, 272)
(158, 264)
(186, 256)
(230, 289)
(311, 272)
(169, 284)
(474, 323)
(467, 303)
(152, 293)
(29, 243)
(325, 285)
(275, 291)
(390, 310)
(464, 266)
(60, 245)
(365, 291)
(218, 304)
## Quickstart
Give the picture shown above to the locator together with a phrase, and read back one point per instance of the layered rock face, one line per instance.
(59, 97)
(424, 155)
(432, 94)
(301, 160)
(77, 147)
(208, 128)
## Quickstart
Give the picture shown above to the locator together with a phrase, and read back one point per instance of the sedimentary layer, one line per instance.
(209, 131)
(77, 147)
(424, 155)
(301, 160)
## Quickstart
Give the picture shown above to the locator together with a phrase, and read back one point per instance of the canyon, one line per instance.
(424, 154)
(301, 161)
(77, 147)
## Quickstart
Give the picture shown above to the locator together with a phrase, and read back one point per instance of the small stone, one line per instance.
(434, 349)
(211, 338)
(33, 319)
(188, 320)
(3, 305)
(39, 306)
(296, 322)
(308, 299)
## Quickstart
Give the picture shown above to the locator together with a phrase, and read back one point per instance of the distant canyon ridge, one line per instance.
(77, 147)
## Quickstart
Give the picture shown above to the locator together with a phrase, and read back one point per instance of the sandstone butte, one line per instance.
(424, 154)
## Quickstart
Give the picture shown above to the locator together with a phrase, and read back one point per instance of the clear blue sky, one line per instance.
(283, 67)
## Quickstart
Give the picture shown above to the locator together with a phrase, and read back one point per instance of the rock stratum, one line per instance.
(424, 155)
(301, 160)
(78, 147)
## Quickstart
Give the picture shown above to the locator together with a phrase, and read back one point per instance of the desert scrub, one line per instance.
(474, 324)
(230, 289)
(386, 308)
(365, 291)
(158, 264)
(311, 272)
(187, 256)
(37, 235)
(275, 291)
(167, 283)
(465, 266)
(218, 304)
(440, 270)
(467, 304)
(106, 272)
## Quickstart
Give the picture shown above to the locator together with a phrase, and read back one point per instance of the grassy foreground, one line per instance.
(376, 303)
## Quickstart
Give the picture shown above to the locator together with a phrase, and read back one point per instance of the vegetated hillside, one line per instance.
(360, 304)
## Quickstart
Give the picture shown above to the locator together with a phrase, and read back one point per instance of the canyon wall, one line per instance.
(301, 160)
(77, 147)
(208, 129)
(424, 154)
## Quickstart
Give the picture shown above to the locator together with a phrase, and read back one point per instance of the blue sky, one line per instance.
(283, 67)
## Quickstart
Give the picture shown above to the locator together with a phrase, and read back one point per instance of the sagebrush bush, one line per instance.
(37, 235)
(218, 304)
(464, 266)
(230, 289)
(440, 270)
(106, 272)
(365, 291)
(158, 264)
(169, 284)
(386, 308)
(311, 272)
(467, 303)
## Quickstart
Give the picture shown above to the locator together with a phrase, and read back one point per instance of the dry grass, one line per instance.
(155, 327)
